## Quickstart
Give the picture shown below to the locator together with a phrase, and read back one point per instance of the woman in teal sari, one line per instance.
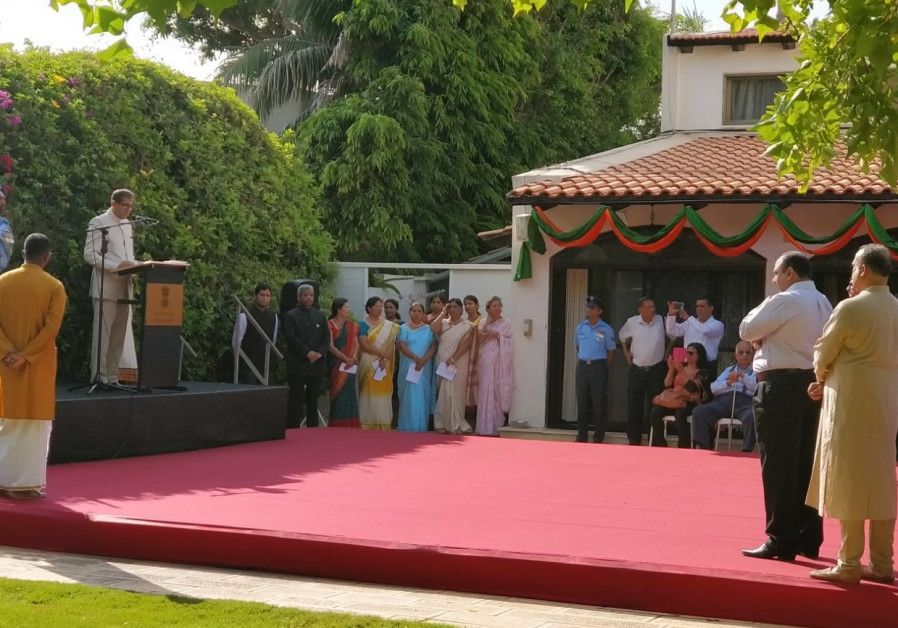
(344, 349)
(416, 345)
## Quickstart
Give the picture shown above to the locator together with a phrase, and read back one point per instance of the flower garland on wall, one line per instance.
(722, 246)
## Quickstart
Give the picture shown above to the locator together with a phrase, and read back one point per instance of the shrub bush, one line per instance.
(231, 198)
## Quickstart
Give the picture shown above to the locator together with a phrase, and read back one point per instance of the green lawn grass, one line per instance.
(50, 604)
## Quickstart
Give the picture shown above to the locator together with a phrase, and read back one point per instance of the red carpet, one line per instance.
(640, 528)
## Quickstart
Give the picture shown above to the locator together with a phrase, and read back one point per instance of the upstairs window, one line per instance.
(747, 97)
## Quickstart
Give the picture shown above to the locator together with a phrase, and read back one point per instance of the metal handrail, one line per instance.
(240, 354)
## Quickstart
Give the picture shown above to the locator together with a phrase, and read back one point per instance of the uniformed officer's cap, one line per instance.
(593, 301)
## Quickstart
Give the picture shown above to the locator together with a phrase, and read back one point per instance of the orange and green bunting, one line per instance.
(724, 246)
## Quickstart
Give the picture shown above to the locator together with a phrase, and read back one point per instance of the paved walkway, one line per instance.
(316, 594)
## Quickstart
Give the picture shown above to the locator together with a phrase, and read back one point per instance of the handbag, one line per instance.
(669, 398)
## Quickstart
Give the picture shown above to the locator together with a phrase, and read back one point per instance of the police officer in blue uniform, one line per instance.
(595, 349)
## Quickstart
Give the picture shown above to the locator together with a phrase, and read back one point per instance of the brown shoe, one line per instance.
(887, 577)
(841, 575)
(24, 495)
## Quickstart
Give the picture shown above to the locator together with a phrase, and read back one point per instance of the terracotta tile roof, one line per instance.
(726, 38)
(709, 168)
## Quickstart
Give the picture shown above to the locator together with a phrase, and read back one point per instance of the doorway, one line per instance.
(619, 276)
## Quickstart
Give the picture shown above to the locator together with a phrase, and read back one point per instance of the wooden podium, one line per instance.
(158, 361)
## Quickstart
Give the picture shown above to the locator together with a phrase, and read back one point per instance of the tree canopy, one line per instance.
(231, 198)
(434, 109)
(442, 107)
(848, 73)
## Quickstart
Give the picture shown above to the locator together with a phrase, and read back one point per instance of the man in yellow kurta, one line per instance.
(856, 365)
(32, 304)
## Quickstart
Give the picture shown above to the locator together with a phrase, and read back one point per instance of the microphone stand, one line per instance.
(96, 384)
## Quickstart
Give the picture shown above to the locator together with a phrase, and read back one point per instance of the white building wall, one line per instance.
(530, 298)
(694, 83)
(350, 283)
(483, 284)
(481, 280)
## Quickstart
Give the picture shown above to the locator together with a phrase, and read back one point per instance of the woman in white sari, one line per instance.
(377, 341)
(456, 335)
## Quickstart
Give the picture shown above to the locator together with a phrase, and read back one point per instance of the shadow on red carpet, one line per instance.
(640, 528)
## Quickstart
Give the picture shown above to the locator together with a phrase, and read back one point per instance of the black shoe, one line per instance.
(582, 439)
(769, 550)
(813, 554)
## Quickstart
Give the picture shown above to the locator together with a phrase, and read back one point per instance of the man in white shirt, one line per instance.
(784, 328)
(702, 328)
(643, 340)
(113, 224)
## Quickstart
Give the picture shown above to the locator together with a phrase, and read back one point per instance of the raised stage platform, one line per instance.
(640, 528)
(118, 424)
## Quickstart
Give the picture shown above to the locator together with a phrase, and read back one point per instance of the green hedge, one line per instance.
(231, 198)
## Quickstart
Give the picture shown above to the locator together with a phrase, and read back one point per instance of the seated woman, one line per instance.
(686, 386)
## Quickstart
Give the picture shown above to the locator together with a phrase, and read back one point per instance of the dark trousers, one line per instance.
(592, 399)
(681, 416)
(246, 376)
(786, 422)
(642, 386)
(305, 388)
(706, 415)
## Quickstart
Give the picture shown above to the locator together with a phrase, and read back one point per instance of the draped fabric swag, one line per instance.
(721, 245)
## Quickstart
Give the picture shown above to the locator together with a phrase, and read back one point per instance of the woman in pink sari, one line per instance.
(494, 366)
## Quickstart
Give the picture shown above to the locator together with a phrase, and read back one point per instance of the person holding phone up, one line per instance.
(701, 327)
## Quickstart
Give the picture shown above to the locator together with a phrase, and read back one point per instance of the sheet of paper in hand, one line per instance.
(345, 368)
(446, 372)
(414, 375)
(379, 374)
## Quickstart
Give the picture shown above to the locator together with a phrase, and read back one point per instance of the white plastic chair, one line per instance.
(730, 423)
(667, 420)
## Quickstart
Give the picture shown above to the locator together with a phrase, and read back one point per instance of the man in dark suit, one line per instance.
(308, 341)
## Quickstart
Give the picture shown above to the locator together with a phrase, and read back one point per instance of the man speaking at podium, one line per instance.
(116, 316)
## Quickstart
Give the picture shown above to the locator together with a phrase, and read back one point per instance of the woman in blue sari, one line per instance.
(416, 345)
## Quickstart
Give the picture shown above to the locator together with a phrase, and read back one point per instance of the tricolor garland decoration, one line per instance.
(723, 246)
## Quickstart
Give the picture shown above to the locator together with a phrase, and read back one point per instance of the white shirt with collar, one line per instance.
(787, 324)
(120, 248)
(647, 339)
(708, 334)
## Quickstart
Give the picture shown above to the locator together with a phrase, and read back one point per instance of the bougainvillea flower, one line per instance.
(14, 121)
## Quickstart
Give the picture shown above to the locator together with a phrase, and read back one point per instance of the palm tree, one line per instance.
(304, 65)
(690, 20)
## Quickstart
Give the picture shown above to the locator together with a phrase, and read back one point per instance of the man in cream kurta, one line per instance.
(32, 304)
(856, 364)
(119, 256)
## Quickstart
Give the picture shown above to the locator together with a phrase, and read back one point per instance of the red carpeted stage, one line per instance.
(640, 528)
